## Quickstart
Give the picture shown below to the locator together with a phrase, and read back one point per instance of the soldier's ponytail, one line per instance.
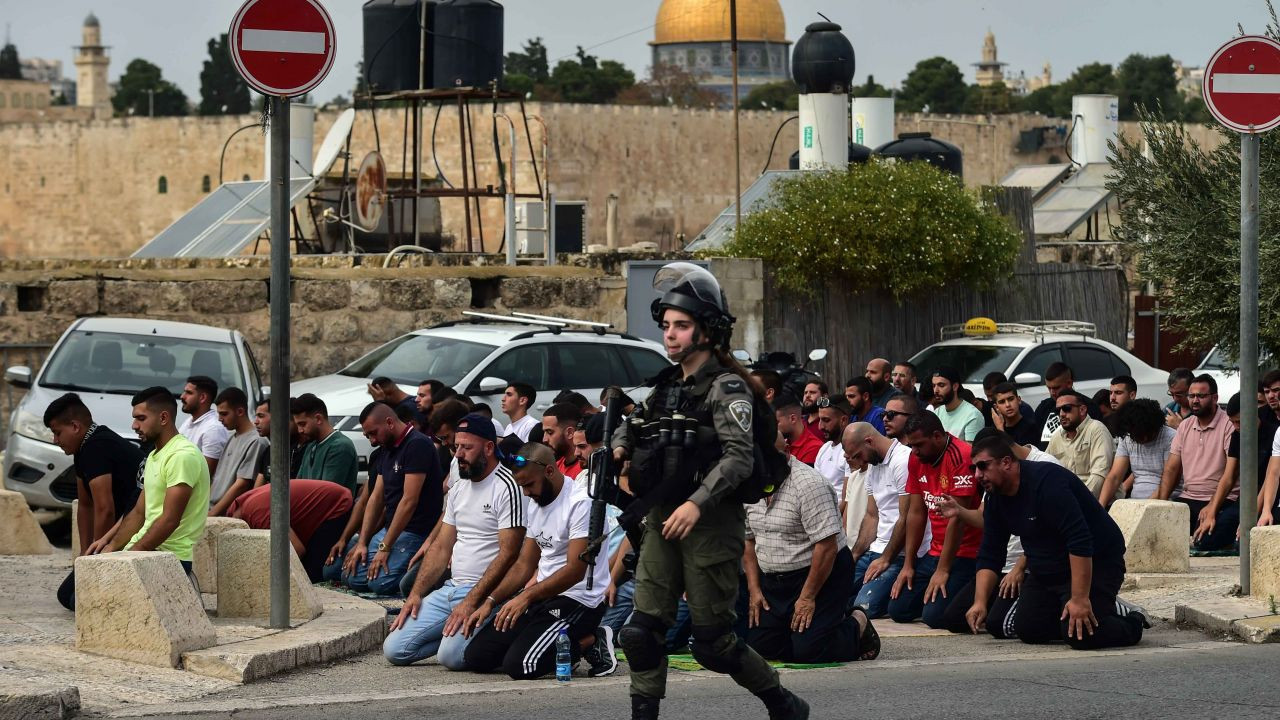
(731, 364)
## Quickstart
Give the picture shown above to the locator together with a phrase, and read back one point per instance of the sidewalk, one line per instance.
(37, 645)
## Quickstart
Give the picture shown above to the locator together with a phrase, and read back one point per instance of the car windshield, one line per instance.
(108, 362)
(410, 359)
(973, 362)
(1217, 359)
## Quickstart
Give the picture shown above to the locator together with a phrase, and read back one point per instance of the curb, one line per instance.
(23, 700)
(349, 626)
(1244, 618)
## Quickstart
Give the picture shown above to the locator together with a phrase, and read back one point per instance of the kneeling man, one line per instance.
(800, 576)
(521, 640)
(1074, 551)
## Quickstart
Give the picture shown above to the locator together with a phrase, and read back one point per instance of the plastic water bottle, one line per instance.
(564, 658)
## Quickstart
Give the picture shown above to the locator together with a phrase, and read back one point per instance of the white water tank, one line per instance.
(873, 121)
(302, 121)
(824, 131)
(1095, 121)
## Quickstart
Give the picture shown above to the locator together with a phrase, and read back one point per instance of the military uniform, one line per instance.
(704, 565)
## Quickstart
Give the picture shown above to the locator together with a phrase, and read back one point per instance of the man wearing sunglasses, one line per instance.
(521, 639)
(1083, 445)
(1074, 553)
(479, 540)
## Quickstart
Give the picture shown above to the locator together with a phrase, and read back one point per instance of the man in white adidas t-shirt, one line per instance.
(879, 558)
(480, 538)
(521, 640)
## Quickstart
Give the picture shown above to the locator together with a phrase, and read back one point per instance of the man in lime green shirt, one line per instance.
(171, 511)
(329, 454)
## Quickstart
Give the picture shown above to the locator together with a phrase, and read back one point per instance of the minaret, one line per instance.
(91, 69)
(990, 70)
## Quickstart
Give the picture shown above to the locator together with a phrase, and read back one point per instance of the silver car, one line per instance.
(480, 359)
(106, 361)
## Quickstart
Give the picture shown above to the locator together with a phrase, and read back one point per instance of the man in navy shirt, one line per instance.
(1074, 551)
(408, 496)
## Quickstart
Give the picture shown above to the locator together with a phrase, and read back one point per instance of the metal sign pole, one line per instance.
(1249, 152)
(280, 191)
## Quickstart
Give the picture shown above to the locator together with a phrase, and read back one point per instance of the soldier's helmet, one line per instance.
(694, 290)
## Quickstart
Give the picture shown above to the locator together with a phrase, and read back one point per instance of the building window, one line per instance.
(204, 184)
(1, 100)
(15, 100)
(26, 100)
(163, 185)
(245, 178)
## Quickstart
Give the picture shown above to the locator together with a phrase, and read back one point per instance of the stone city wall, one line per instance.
(92, 188)
(340, 309)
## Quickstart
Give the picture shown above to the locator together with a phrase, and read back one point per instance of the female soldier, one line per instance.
(694, 527)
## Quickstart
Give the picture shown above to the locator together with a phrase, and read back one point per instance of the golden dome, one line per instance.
(690, 21)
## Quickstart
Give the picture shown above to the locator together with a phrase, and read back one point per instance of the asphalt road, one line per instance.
(1209, 681)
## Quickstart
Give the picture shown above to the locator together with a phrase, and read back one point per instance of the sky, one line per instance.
(889, 36)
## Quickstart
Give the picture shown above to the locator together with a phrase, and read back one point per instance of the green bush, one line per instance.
(899, 228)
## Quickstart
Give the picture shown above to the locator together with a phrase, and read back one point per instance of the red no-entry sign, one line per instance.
(1242, 84)
(282, 47)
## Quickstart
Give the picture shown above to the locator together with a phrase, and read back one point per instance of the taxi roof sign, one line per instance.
(980, 327)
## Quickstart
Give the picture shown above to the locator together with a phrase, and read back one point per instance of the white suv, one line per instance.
(1023, 351)
(480, 356)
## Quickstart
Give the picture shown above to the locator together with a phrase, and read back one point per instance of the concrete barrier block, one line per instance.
(1264, 562)
(244, 578)
(204, 556)
(22, 699)
(1155, 535)
(20, 534)
(140, 607)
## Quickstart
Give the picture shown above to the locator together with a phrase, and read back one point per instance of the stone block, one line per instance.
(343, 328)
(407, 294)
(1264, 562)
(525, 293)
(171, 297)
(204, 556)
(228, 296)
(125, 297)
(244, 573)
(1155, 535)
(23, 699)
(322, 294)
(452, 292)
(140, 607)
(581, 292)
(386, 324)
(20, 534)
(366, 294)
(73, 297)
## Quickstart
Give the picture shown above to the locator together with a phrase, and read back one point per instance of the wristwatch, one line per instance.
(383, 547)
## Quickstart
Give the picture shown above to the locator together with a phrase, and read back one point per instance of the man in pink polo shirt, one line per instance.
(1196, 462)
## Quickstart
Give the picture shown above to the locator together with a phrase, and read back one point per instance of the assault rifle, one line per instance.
(602, 485)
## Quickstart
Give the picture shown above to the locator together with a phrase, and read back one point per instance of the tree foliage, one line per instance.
(531, 62)
(1180, 216)
(132, 96)
(870, 89)
(1148, 82)
(587, 79)
(857, 222)
(935, 84)
(669, 85)
(782, 95)
(222, 90)
(10, 67)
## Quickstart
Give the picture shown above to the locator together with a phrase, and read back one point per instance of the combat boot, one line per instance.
(788, 707)
(646, 708)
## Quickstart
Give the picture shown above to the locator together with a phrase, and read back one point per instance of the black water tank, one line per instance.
(923, 146)
(858, 154)
(467, 40)
(822, 61)
(391, 44)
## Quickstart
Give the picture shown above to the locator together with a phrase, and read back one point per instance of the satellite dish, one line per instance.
(333, 142)
(371, 191)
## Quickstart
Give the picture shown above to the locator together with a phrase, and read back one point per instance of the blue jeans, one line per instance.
(333, 571)
(874, 596)
(422, 637)
(910, 604)
(388, 581)
(617, 616)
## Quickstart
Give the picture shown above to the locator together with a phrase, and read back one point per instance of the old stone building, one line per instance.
(990, 69)
(92, 62)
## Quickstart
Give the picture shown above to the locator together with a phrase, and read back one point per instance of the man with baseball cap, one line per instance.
(479, 540)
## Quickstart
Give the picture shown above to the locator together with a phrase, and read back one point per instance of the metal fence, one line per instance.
(32, 356)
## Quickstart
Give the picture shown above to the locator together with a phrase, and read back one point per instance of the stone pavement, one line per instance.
(37, 635)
